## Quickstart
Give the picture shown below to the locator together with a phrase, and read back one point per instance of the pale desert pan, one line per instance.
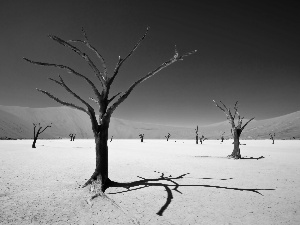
(41, 186)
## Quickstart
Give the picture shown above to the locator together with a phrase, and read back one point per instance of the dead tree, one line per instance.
(202, 139)
(222, 137)
(142, 137)
(272, 137)
(37, 132)
(236, 129)
(107, 104)
(72, 136)
(197, 137)
(168, 136)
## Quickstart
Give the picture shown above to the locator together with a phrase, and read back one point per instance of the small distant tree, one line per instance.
(197, 137)
(142, 137)
(202, 139)
(272, 137)
(106, 104)
(72, 136)
(37, 130)
(236, 129)
(168, 136)
(222, 137)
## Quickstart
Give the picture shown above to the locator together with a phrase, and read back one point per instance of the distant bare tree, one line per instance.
(197, 137)
(202, 139)
(37, 132)
(142, 137)
(236, 129)
(272, 137)
(105, 103)
(222, 137)
(168, 136)
(72, 136)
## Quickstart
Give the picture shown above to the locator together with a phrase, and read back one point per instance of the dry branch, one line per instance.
(82, 55)
(121, 61)
(87, 43)
(70, 70)
(174, 59)
(62, 102)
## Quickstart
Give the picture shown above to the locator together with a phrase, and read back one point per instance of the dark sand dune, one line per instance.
(16, 122)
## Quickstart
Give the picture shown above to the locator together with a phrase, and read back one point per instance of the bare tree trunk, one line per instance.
(197, 137)
(34, 141)
(236, 142)
(101, 171)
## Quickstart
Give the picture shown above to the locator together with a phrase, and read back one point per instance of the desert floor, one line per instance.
(41, 186)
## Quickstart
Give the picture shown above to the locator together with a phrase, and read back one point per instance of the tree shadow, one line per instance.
(208, 156)
(261, 157)
(168, 183)
(228, 157)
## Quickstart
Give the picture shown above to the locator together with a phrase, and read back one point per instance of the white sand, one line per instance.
(40, 186)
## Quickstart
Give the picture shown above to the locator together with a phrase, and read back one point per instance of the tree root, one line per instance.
(234, 157)
(93, 178)
(96, 191)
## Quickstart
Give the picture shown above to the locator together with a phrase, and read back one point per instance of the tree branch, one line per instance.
(87, 43)
(220, 107)
(62, 102)
(235, 109)
(44, 128)
(70, 70)
(121, 61)
(247, 123)
(229, 115)
(34, 126)
(83, 55)
(112, 98)
(62, 83)
(174, 59)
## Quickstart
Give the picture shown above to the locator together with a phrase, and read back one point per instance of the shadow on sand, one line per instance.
(261, 157)
(226, 157)
(170, 182)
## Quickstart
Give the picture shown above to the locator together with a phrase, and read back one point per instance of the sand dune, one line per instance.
(16, 122)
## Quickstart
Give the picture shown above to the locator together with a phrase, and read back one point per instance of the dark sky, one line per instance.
(248, 52)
